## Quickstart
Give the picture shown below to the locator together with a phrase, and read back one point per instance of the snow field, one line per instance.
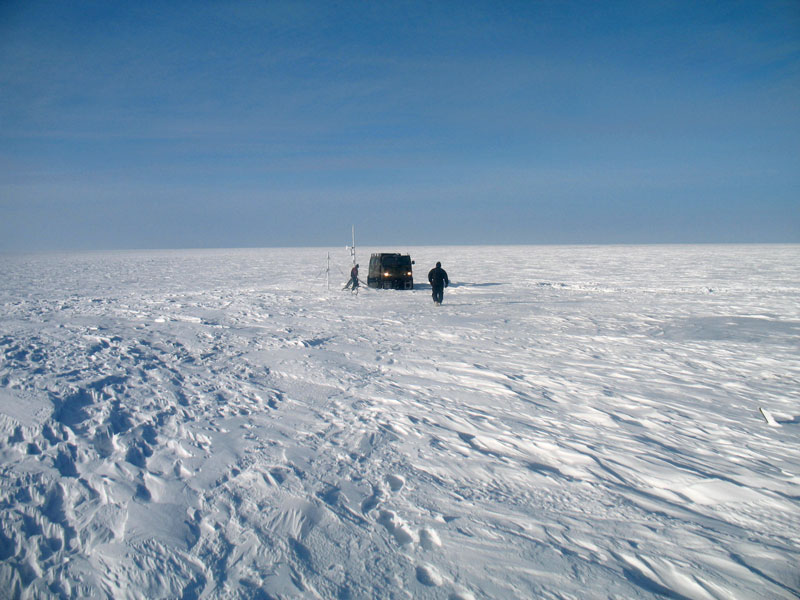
(573, 422)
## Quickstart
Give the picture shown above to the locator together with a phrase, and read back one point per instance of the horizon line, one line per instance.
(20, 252)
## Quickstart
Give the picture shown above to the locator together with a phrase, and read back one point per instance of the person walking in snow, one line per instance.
(353, 283)
(438, 280)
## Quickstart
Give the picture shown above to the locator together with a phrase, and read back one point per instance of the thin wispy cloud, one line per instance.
(513, 108)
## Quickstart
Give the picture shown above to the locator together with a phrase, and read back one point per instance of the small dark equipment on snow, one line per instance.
(390, 271)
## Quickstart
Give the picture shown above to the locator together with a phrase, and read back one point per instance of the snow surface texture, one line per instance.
(573, 422)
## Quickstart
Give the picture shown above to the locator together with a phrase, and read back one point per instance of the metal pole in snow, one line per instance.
(353, 247)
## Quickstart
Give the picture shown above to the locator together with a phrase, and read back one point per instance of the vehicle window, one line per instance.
(396, 261)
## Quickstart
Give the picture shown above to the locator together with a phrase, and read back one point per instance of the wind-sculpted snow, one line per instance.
(572, 423)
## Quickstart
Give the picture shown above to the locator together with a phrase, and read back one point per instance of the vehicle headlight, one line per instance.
(409, 273)
(386, 274)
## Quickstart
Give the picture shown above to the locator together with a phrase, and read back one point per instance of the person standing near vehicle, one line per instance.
(438, 279)
(354, 278)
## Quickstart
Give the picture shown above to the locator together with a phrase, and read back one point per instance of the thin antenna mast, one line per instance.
(353, 247)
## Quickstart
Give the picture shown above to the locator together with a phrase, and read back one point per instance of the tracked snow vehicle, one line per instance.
(390, 271)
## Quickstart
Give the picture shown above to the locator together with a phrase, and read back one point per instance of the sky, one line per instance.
(260, 124)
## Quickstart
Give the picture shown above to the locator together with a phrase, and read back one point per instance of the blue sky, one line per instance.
(230, 124)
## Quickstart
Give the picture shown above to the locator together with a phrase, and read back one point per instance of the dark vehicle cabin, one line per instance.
(390, 271)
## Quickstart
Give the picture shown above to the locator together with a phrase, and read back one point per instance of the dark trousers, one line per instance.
(438, 293)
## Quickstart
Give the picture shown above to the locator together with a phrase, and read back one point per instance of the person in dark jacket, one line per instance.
(438, 279)
(353, 283)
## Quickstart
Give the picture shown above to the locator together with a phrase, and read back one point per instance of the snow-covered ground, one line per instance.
(573, 422)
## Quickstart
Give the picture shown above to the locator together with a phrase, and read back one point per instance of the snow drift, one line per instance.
(573, 422)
